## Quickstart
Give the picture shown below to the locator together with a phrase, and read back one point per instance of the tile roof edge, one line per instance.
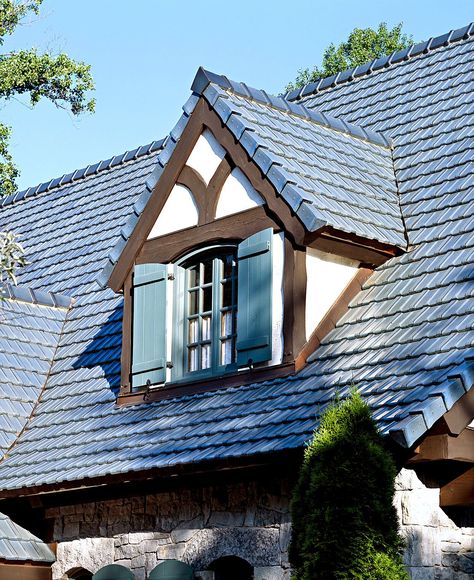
(23, 293)
(416, 424)
(384, 62)
(83, 172)
(204, 78)
(48, 555)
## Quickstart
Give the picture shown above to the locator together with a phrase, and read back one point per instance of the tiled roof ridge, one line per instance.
(204, 78)
(84, 172)
(27, 294)
(384, 62)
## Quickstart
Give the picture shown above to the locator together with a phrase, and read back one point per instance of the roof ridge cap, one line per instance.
(365, 69)
(204, 78)
(25, 293)
(83, 172)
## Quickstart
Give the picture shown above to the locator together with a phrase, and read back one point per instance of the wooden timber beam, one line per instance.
(459, 491)
(446, 447)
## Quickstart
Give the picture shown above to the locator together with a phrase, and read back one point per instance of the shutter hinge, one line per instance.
(171, 277)
(169, 364)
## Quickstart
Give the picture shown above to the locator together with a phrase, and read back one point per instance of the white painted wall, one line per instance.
(327, 276)
(277, 298)
(237, 194)
(206, 155)
(179, 212)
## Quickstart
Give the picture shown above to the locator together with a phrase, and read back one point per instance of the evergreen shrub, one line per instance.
(345, 525)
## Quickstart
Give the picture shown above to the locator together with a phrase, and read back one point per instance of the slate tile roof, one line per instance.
(407, 340)
(30, 327)
(17, 544)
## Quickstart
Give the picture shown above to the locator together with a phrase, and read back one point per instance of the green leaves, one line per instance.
(58, 78)
(343, 519)
(363, 45)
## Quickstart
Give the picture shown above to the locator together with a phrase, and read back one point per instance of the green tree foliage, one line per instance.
(363, 45)
(58, 78)
(344, 523)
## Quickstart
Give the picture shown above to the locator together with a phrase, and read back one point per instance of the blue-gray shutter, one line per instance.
(254, 303)
(149, 324)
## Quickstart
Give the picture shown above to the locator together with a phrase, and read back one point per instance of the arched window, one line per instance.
(231, 568)
(210, 280)
(78, 574)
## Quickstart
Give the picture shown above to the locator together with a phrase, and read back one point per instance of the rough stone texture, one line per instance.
(197, 526)
(437, 549)
(89, 553)
(247, 519)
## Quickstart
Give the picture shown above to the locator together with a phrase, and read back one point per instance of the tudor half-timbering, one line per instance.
(232, 274)
(189, 308)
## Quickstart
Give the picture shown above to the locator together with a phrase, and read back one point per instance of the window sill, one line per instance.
(191, 387)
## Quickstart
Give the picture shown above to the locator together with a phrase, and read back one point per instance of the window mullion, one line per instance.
(216, 304)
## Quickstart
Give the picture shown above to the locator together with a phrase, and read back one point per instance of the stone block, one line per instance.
(285, 536)
(171, 551)
(138, 562)
(271, 573)
(127, 551)
(151, 561)
(89, 553)
(226, 519)
(420, 507)
(421, 573)
(423, 546)
(71, 531)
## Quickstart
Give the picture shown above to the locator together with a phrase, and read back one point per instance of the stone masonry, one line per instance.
(250, 519)
(437, 549)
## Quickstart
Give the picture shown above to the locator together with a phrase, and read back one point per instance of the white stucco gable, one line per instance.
(237, 194)
(179, 212)
(206, 156)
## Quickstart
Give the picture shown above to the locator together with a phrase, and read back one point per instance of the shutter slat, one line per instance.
(254, 308)
(149, 324)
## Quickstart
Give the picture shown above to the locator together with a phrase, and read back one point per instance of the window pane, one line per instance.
(207, 299)
(226, 323)
(193, 276)
(228, 266)
(194, 302)
(193, 360)
(207, 271)
(226, 352)
(205, 356)
(227, 293)
(206, 328)
(193, 335)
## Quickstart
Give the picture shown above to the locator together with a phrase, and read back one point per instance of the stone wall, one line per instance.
(197, 526)
(437, 549)
(249, 519)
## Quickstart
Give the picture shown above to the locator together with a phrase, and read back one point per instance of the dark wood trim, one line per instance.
(215, 186)
(25, 571)
(461, 413)
(294, 295)
(459, 491)
(211, 468)
(203, 117)
(126, 356)
(237, 379)
(367, 252)
(332, 316)
(158, 197)
(191, 179)
(239, 226)
(446, 447)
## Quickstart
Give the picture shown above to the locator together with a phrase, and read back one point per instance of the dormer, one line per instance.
(260, 224)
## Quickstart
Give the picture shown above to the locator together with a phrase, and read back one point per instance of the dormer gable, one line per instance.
(242, 166)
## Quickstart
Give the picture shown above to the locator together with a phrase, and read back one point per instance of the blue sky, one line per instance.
(144, 55)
